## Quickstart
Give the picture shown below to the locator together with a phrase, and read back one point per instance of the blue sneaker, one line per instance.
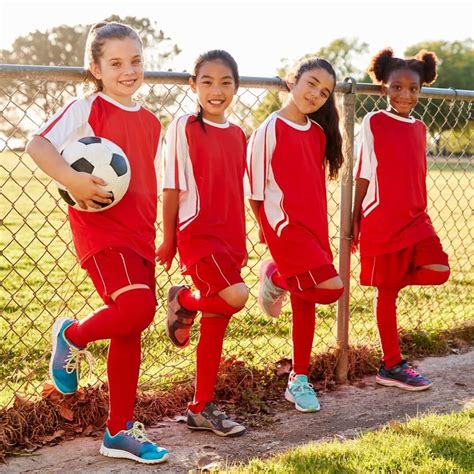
(402, 376)
(300, 392)
(64, 363)
(133, 444)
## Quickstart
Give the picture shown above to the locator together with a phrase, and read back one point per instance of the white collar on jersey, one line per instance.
(133, 108)
(409, 119)
(226, 124)
(294, 125)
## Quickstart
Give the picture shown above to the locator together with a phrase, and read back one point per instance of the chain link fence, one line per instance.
(40, 279)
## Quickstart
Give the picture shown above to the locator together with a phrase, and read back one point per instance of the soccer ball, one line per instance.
(102, 158)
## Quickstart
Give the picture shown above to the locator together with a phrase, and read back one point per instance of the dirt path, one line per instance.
(347, 411)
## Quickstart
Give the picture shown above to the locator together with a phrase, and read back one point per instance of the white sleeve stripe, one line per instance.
(260, 149)
(68, 124)
(175, 155)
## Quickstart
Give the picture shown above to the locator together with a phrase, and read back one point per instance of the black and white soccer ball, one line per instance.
(102, 158)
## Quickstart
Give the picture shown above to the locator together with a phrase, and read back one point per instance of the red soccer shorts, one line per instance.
(388, 270)
(214, 273)
(310, 278)
(114, 268)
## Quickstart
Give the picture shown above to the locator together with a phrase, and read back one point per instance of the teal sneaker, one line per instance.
(133, 444)
(300, 392)
(65, 358)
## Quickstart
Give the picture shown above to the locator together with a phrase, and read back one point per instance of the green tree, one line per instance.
(341, 53)
(448, 121)
(64, 46)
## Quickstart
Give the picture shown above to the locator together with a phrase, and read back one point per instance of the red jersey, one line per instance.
(286, 170)
(131, 222)
(392, 157)
(207, 165)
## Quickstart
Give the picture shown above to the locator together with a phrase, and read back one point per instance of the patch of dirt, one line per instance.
(346, 412)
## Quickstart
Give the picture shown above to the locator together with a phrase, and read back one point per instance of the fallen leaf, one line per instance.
(66, 413)
(283, 366)
(56, 434)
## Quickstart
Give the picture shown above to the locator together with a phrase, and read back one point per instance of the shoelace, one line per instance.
(137, 431)
(219, 414)
(411, 372)
(304, 387)
(275, 296)
(73, 359)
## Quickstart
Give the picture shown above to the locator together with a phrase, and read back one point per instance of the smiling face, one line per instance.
(309, 93)
(215, 87)
(120, 69)
(403, 91)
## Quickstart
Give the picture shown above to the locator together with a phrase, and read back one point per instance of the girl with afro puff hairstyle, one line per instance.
(397, 241)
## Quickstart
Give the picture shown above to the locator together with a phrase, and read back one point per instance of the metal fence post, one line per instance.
(348, 109)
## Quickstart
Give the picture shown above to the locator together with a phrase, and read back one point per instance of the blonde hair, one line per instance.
(96, 38)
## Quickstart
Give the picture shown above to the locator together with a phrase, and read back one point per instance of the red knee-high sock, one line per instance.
(98, 325)
(208, 356)
(279, 281)
(386, 312)
(320, 295)
(210, 304)
(131, 313)
(122, 322)
(426, 276)
(123, 368)
(302, 333)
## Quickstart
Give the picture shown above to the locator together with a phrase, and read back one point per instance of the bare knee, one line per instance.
(334, 283)
(235, 295)
(439, 274)
(436, 267)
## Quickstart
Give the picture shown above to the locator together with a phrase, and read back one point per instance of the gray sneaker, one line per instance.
(179, 320)
(212, 419)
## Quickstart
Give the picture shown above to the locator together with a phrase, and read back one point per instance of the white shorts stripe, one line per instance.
(209, 290)
(312, 278)
(373, 271)
(223, 276)
(100, 274)
(125, 268)
(298, 281)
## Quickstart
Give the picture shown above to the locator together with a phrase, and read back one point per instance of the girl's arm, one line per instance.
(82, 186)
(255, 206)
(167, 250)
(360, 192)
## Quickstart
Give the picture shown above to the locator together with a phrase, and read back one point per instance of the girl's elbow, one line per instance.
(32, 146)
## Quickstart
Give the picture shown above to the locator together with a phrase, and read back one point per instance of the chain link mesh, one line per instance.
(40, 279)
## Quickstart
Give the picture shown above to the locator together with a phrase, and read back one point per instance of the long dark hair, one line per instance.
(213, 55)
(96, 38)
(327, 116)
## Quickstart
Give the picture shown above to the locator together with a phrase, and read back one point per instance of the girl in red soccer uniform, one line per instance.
(115, 246)
(203, 218)
(398, 244)
(287, 160)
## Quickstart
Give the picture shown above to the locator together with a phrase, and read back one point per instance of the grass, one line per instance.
(428, 444)
(40, 280)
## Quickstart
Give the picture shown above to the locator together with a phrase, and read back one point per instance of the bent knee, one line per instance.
(138, 307)
(334, 283)
(438, 274)
(235, 295)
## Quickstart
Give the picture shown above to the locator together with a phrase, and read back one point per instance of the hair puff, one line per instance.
(430, 61)
(379, 65)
